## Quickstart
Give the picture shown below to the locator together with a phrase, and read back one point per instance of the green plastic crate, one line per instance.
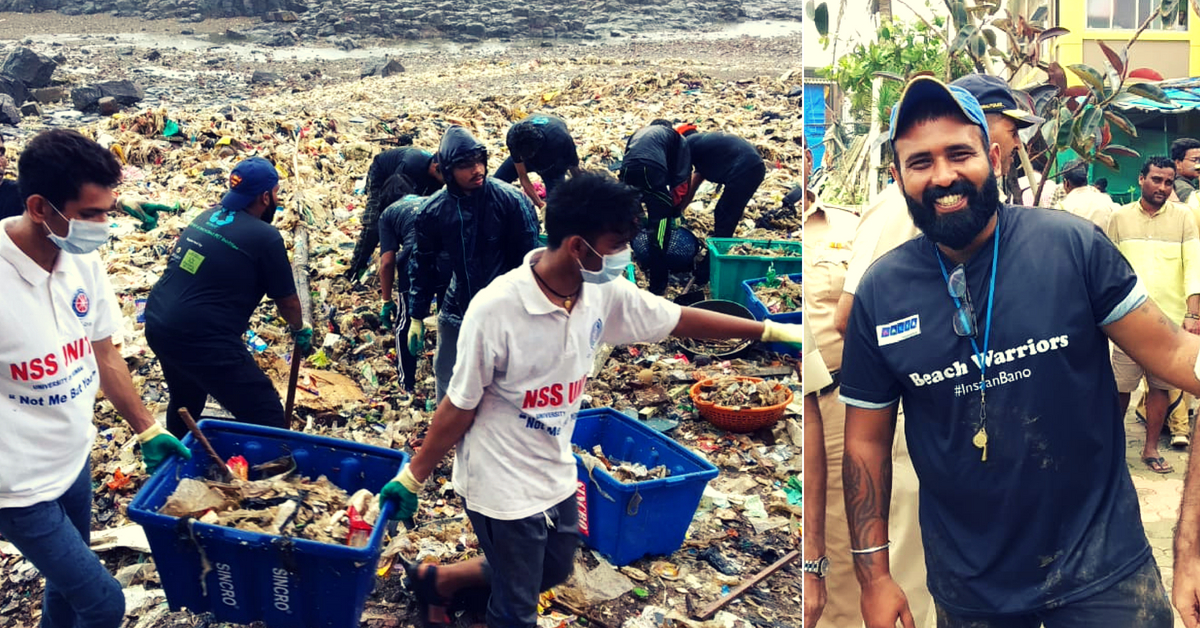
(727, 272)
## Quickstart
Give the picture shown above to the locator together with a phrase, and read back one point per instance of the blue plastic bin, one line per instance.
(642, 518)
(282, 581)
(760, 312)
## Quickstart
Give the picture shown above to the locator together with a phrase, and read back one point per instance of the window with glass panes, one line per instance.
(1127, 14)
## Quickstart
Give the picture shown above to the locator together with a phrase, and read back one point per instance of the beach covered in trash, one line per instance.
(177, 159)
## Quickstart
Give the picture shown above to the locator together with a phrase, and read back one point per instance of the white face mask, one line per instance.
(83, 236)
(613, 266)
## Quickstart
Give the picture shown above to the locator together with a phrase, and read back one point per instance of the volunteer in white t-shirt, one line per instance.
(526, 347)
(56, 319)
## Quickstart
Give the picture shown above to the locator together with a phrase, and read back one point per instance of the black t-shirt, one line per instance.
(661, 148)
(397, 232)
(557, 152)
(720, 157)
(11, 203)
(409, 161)
(1052, 516)
(222, 265)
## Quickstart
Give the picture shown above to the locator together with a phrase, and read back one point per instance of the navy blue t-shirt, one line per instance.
(557, 152)
(1052, 516)
(222, 266)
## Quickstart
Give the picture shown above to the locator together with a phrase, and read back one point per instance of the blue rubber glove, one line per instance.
(403, 491)
(303, 338)
(158, 445)
(387, 316)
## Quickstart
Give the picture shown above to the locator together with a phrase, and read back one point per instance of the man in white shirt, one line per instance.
(526, 347)
(1084, 200)
(58, 315)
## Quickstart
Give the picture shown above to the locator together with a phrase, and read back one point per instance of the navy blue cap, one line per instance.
(248, 181)
(995, 96)
(922, 90)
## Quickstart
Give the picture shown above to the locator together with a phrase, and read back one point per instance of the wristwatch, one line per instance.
(818, 567)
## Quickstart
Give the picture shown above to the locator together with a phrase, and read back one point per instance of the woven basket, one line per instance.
(740, 420)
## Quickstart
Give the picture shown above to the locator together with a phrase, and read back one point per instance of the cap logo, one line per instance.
(992, 105)
(234, 180)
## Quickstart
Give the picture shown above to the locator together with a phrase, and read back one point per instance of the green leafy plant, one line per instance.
(1078, 118)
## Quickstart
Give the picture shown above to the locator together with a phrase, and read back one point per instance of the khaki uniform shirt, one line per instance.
(828, 234)
(885, 225)
(1090, 204)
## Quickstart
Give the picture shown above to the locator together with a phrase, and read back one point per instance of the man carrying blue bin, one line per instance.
(525, 350)
(58, 315)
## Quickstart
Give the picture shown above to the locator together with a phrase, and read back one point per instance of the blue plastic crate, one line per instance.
(282, 581)
(760, 312)
(642, 518)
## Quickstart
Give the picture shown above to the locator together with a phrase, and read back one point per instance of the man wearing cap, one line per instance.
(993, 328)
(59, 315)
(1161, 242)
(222, 265)
(484, 227)
(419, 166)
(540, 143)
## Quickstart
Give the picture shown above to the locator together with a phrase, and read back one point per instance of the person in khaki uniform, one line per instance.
(1159, 238)
(828, 233)
(816, 561)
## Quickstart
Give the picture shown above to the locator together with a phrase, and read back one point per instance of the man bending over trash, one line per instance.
(536, 328)
(58, 315)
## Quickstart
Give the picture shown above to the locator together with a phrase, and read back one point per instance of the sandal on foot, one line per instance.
(1157, 465)
(433, 608)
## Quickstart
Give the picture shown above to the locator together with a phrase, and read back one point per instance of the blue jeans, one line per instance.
(54, 536)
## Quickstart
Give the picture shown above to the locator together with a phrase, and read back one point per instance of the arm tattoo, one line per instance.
(868, 496)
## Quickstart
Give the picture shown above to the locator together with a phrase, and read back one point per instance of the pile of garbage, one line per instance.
(178, 161)
(753, 250)
(780, 294)
(280, 504)
(623, 472)
(732, 392)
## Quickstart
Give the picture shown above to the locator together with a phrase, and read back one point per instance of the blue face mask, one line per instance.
(613, 266)
(83, 236)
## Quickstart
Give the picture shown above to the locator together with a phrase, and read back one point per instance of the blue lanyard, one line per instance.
(987, 328)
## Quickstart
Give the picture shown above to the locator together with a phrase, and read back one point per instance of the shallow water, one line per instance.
(219, 44)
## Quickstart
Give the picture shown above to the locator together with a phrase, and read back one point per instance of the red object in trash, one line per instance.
(239, 466)
(360, 531)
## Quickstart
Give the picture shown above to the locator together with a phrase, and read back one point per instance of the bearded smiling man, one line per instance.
(993, 327)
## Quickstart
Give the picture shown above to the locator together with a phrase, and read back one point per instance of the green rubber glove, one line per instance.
(303, 338)
(416, 337)
(403, 491)
(788, 333)
(387, 316)
(158, 445)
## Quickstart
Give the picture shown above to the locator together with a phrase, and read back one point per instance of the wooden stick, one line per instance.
(293, 379)
(578, 612)
(195, 430)
(742, 588)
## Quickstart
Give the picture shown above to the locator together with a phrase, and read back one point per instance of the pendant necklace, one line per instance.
(568, 299)
(980, 439)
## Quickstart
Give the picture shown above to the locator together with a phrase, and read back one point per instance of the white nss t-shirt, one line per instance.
(48, 375)
(523, 363)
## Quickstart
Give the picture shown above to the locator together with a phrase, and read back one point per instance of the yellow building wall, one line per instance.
(1175, 54)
